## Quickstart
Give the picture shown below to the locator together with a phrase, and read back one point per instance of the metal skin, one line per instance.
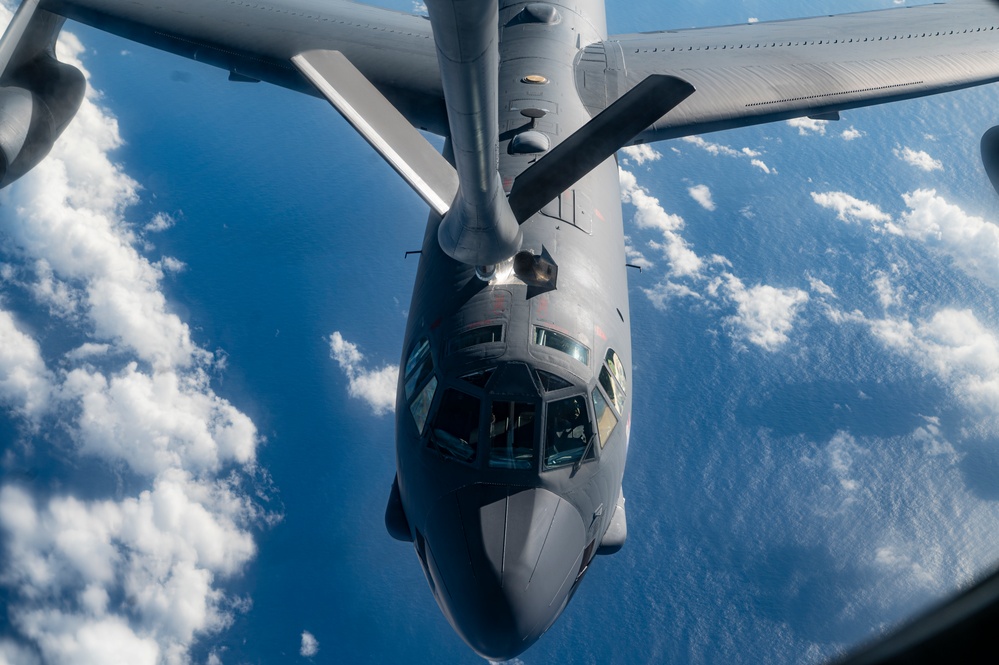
(505, 538)
(504, 549)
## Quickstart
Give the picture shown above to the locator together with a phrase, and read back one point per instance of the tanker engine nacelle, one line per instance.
(37, 102)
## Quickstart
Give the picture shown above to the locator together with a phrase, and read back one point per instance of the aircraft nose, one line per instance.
(503, 561)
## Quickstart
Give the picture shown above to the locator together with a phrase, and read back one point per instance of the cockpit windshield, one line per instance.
(511, 432)
(568, 431)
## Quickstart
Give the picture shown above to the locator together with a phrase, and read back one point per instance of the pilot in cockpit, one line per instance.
(570, 423)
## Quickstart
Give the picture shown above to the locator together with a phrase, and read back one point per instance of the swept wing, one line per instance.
(257, 41)
(764, 72)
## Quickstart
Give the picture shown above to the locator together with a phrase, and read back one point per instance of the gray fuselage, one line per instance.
(504, 538)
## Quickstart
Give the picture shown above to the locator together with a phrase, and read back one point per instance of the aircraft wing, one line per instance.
(258, 40)
(765, 72)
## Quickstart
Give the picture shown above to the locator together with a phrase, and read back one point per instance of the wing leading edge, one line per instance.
(765, 72)
(257, 41)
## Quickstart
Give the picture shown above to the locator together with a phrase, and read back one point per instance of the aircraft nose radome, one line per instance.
(504, 562)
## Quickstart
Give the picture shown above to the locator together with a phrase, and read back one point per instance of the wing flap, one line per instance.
(763, 72)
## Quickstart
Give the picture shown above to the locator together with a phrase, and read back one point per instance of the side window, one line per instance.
(511, 435)
(567, 432)
(616, 368)
(612, 389)
(455, 431)
(421, 405)
(606, 420)
(419, 366)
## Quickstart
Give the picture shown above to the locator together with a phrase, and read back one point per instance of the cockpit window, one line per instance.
(482, 335)
(455, 431)
(419, 366)
(511, 433)
(606, 420)
(612, 388)
(561, 342)
(421, 405)
(551, 382)
(568, 431)
(615, 366)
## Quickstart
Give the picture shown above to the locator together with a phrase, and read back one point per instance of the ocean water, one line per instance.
(785, 502)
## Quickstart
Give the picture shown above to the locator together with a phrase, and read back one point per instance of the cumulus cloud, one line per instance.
(138, 577)
(374, 386)
(310, 645)
(728, 151)
(971, 241)
(640, 154)
(841, 453)
(702, 194)
(851, 134)
(160, 222)
(806, 126)
(954, 346)
(763, 314)
(851, 209)
(920, 159)
(650, 215)
(25, 382)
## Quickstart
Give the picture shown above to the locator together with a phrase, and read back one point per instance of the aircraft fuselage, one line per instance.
(505, 501)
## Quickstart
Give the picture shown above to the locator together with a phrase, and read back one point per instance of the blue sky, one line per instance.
(202, 300)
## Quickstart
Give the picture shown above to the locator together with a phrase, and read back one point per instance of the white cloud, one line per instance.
(136, 578)
(25, 383)
(650, 215)
(851, 134)
(726, 151)
(702, 194)
(972, 242)
(642, 153)
(310, 645)
(160, 222)
(806, 126)
(851, 209)
(944, 228)
(840, 452)
(820, 287)
(712, 148)
(919, 159)
(753, 19)
(954, 346)
(764, 314)
(376, 387)
(635, 257)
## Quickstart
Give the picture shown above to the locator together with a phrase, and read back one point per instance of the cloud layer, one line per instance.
(139, 577)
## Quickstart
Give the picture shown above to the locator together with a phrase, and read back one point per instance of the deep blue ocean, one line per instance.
(784, 504)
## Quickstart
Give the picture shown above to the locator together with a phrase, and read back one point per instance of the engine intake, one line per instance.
(37, 102)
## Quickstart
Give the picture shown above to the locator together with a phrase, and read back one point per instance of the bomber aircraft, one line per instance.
(514, 397)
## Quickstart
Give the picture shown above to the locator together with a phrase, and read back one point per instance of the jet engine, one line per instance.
(37, 102)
